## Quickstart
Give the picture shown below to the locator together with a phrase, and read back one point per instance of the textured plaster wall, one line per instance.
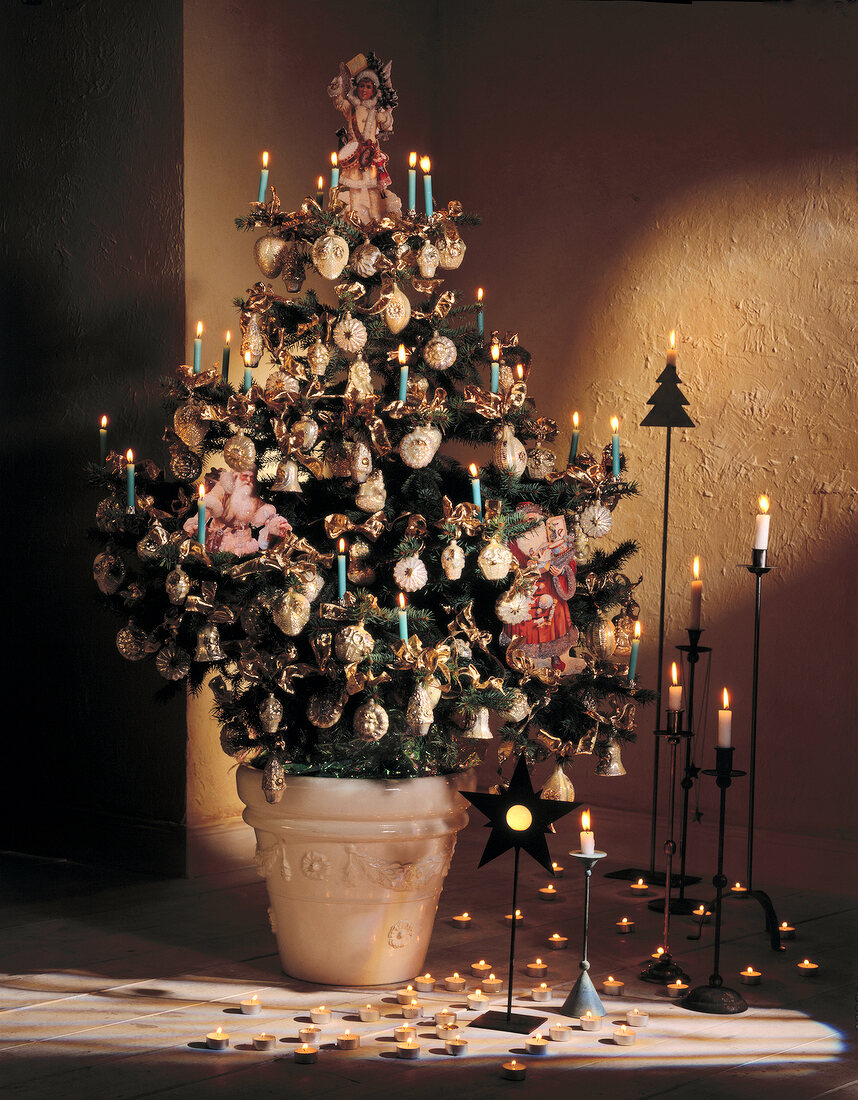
(92, 272)
(639, 167)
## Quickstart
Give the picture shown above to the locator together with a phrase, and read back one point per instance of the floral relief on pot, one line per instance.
(400, 934)
(315, 865)
(394, 874)
(272, 862)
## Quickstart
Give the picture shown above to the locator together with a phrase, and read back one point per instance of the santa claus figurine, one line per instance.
(237, 520)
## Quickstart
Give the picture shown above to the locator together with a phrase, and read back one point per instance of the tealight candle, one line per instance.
(559, 1033)
(557, 869)
(541, 992)
(320, 1015)
(412, 1011)
(405, 996)
(557, 942)
(613, 987)
(738, 888)
(348, 1041)
(252, 1006)
(481, 969)
(456, 1046)
(491, 984)
(700, 912)
(463, 920)
(404, 1033)
(659, 951)
(264, 1041)
(477, 1000)
(310, 1034)
(677, 989)
(445, 1016)
(787, 931)
(625, 926)
(636, 1018)
(639, 887)
(548, 893)
(624, 1036)
(426, 984)
(535, 1044)
(305, 1054)
(369, 1014)
(807, 968)
(446, 1031)
(751, 976)
(518, 916)
(589, 1022)
(409, 1049)
(514, 1071)
(217, 1040)
(454, 983)
(537, 968)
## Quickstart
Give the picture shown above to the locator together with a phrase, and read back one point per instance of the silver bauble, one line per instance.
(558, 787)
(270, 254)
(305, 432)
(131, 642)
(291, 611)
(510, 457)
(239, 453)
(479, 729)
(153, 542)
(208, 644)
(108, 572)
(270, 714)
(286, 479)
(540, 463)
(252, 343)
(350, 334)
(370, 721)
(453, 561)
(513, 606)
(397, 311)
(178, 585)
(495, 560)
(419, 712)
(280, 382)
(330, 254)
(372, 494)
(596, 521)
(518, 708)
(428, 259)
(610, 761)
(440, 352)
(184, 464)
(365, 259)
(273, 779)
(410, 573)
(451, 253)
(172, 662)
(361, 462)
(353, 643)
(600, 638)
(420, 446)
(318, 357)
(325, 707)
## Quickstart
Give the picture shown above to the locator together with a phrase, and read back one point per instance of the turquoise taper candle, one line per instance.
(335, 171)
(481, 324)
(412, 181)
(102, 440)
(224, 366)
(341, 570)
(320, 192)
(198, 348)
(403, 621)
(263, 178)
(248, 378)
(201, 516)
(573, 446)
(129, 473)
(495, 382)
(403, 373)
(633, 656)
(615, 446)
(426, 167)
(476, 492)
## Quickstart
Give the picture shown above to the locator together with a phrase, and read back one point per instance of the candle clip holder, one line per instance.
(663, 970)
(682, 904)
(583, 998)
(716, 998)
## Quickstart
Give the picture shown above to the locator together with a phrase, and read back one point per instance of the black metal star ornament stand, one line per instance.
(519, 819)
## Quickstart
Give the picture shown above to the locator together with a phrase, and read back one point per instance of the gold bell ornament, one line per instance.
(479, 729)
(610, 761)
(208, 644)
(286, 480)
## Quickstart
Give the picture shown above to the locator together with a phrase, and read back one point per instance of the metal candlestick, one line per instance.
(682, 904)
(664, 970)
(715, 997)
(583, 997)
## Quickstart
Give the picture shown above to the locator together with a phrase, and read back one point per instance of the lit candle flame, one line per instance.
(334, 161)
(320, 183)
(342, 546)
(479, 293)
(764, 505)
(201, 491)
(673, 340)
(104, 422)
(412, 160)
(473, 469)
(227, 337)
(402, 355)
(638, 629)
(129, 457)
(219, 1031)
(402, 600)
(696, 569)
(674, 675)
(199, 329)
(615, 425)
(519, 370)
(265, 160)
(585, 821)
(425, 165)
(575, 421)
(247, 358)
(726, 700)
(495, 352)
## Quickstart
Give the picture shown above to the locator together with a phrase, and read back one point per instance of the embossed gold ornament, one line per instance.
(269, 252)
(600, 639)
(410, 573)
(478, 729)
(372, 494)
(440, 352)
(397, 310)
(177, 585)
(596, 520)
(495, 560)
(172, 662)
(330, 254)
(453, 561)
(318, 357)
(420, 446)
(184, 464)
(353, 643)
(188, 424)
(131, 642)
(559, 786)
(291, 611)
(270, 713)
(208, 644)
(371, 721)
(108, 572)
(325, 707)
(509, 454)
(419, 712)
(273, 779)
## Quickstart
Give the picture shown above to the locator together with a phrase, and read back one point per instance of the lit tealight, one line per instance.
(369, 1014)
(557, 869)
(462, 920)
(639, 887)
(491, 984)
(424, 984)
(589, 1022)
(348, 1041)
(455, 983)
(305, 1054)
(625, 926)
(751, 976)
(518, 916)
(537, 968)
(535, 1044)
(557, 942)
(677, 989)
(787, 931)
(548, 893)
(217, 1040)
(636, 1018)
(403, 1033)
(320, 1015)
(252, 1006)
(738, 888)
(405, 996)
(624, 1036)
(659, 951)
(412, 1011)
(408, 1049)
(481, 969)
(514, 1071)
(613, 987)
(457, 1046)
(541, 992)
(808, 968)
(559, 1033)
(264, 1041)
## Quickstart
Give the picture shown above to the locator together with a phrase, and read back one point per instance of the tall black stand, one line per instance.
(715, 997)
(583, 998)
(664, 970)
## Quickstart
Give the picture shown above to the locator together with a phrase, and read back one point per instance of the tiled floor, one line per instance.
(111, 982)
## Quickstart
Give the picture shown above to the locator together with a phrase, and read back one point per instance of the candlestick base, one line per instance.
(678, 906)
(715, 999)
(582, 999)
(654, 878)
(496, 1020)
(664, 971)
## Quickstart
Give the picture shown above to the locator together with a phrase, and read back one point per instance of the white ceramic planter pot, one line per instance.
(354, 869)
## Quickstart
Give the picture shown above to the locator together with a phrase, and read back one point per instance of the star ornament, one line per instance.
(519, 818)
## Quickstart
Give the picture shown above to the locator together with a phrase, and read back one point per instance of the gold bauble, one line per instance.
(172, 662)
(428, 259)
(559, 786)
(108, 572)
(397, 311)
(419, 713)
(370, 721)
(495, 560)
(184, 464)
(600, 639)
(208, 644)
(353, 643)
(131, 642)
(189, 425)
(330, 254)
(350, 334)
(291, 611)
(239, 453)
(325, 707)
(270, 713)
(451, 253)
(270, 254)
(153, 542)
(440, 352)
(318, 357)
(109, 515)
(178, 585)
(273, 779)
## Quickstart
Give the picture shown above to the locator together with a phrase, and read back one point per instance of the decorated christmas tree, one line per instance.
(372, 607)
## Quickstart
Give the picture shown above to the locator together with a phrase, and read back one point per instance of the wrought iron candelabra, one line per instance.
(583, 998)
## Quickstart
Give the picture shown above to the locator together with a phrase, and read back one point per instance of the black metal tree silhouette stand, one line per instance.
(667, 412)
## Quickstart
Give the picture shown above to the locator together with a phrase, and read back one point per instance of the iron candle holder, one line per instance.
(583, 998)
(716, 998)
